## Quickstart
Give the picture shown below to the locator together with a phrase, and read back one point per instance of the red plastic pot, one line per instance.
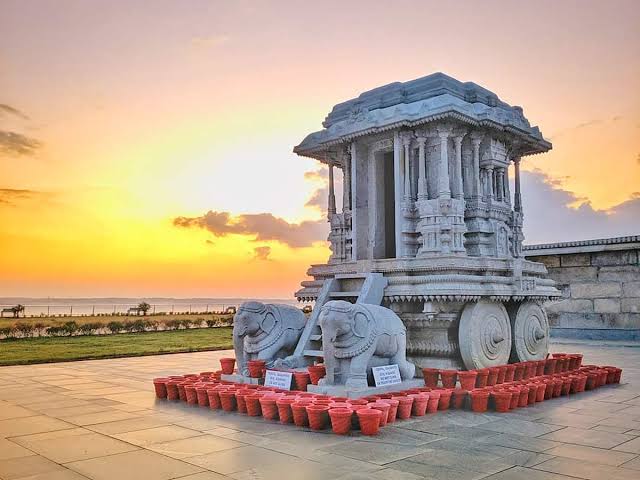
(316, 372)
(479, 400)
(540, 368)
(467, 379)
(445, 399)
(203, 398)
(269, 407)
(502, 371)
(482, 378)
(430, 376)
(256, 368)
(192, 396)
(501, 400)
(228, 400)
(284, 409)
(160, 386)
(510, 371)
(404, 407)
(183, 395)
(357, 401)
(227, 365)
(355, 423)
(172, 390)
(434, 400)
(458, 398)
(299, 411)
(529, 370)
(602, 378)
(540, 389)
(214, 398)
(492, 379)
(252, 402)
(393, 409)
(318, 416)
(519, 372)
(341, 420)
(533, 392)
(618, 375)
(448, 378)
(550, 366)
(369, 419)
(419, 406)
(557, 387)
(566, 386)
(302, 379)
(241, 399)
(515, 396)
(523, 399)
(384, 408)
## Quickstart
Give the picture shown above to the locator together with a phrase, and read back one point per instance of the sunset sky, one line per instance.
(120, 120)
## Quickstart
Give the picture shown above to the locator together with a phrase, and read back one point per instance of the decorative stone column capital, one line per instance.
(458, 140)
(405, 138)
(444, 131)
(476, 138)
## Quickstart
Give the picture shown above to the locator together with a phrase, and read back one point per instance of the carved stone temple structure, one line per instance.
(429, 225)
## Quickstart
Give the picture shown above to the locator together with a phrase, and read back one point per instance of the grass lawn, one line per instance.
(60, 349)
(104, 319)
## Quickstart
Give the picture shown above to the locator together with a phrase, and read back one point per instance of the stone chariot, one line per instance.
(429, 227)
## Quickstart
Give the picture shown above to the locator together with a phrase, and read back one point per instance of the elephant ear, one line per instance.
(268, 322)
(360, 325)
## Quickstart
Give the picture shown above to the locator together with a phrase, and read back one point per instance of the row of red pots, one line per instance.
(470, 379)
(257, 369)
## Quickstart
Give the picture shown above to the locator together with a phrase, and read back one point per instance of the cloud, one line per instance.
(262, 226)
(319, 197)
(18, 144)
(9, 110)
(553, 214)
(9, 196)
(262, 253)
(209, 41)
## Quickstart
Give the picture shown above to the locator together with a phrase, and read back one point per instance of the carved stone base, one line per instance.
(342, 391)
(237, 378)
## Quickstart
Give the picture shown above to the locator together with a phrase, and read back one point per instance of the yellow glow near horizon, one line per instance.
(200, 111)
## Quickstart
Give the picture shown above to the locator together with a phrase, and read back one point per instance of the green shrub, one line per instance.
(24, 329)
(6, 332)
(115, 327)
(211, 323)
(70, 328)
(55, 331)
(172, 324)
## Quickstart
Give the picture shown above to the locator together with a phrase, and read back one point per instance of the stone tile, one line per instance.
(205, 476)
(449, 430)
(591, 454)
(586, 470)
(611, 429)
(10, 449)
(192, 446)
(632, 446)
(469, 461)
(241, 459)
(129, 425)
(56, 475)
(131, 465)
(344, 463)
(19, 468)
(519, 427)
(76, 447)
(383, 474)
(523, 473)
(27, 425)
(434, 471)
(572, 420)
(401, 436)
(589, 438)
(377, 453)
(13, 411)
(100, 417)
(632, 464)
(520, 442)
(300, 469)
(156, 435)
(524, 458)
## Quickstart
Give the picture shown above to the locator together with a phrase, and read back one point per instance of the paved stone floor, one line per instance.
(100, 420)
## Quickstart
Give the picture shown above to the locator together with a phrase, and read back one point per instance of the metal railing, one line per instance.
(120, 309)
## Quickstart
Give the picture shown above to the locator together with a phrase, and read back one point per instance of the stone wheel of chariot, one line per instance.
(530, 332)
(484, 334)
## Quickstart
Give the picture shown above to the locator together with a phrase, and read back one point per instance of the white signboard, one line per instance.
(274, 378)
(386, 375)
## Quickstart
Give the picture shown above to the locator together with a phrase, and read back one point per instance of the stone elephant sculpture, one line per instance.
(357, 337)
(264, 331)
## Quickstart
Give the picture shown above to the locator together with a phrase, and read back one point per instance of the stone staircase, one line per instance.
(355, 288)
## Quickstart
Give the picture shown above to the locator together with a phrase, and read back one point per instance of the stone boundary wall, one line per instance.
(600, 283)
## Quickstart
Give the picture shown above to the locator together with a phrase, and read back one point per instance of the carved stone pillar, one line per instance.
(517, 201)
(406, 150)
(500, 184)
(444, 190)
(476, 139)
(458, 166)
(346, 181)
(331, 208)
(423, 191)
(490, 191)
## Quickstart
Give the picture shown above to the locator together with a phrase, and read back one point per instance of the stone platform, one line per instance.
(342, 391)
(100, 420)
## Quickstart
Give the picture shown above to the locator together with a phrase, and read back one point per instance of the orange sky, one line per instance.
(117, 118)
